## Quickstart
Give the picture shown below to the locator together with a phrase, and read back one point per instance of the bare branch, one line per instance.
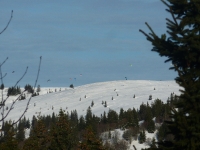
(11, 107)
(2, 89)
(3, 76)
(3, 101)
(18, 82)
(13, 103)
(7, 23)
(3, 61)
(31, 95)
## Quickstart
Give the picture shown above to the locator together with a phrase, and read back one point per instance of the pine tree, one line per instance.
(121, 114)
(150, 125)
(105, 104)
(88, 116)
(9, 142)
(135, 116)
(142, 137)
(71, 86)
(74, 118)
(129, 115)
(82, 123)
(91, 141)
(62, 134)
(142, 111)
(20, 136)
(27, 123)
(104, 119)
(92, 104)
(29, 88)
(157, 109)
(39, 138)
(161, 134)
(53, 118)
(112, 116)
(182, 48)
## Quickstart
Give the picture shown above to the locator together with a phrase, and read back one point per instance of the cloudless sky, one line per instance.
(81, 42)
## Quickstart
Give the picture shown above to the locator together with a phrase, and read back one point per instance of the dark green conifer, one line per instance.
(82, 123)
(142, 137)
(112, 116)
(88, 116)
(104, 119)
(105, 104)
(53, 118)
(90, 141)
(182, 47)
(39, 138)
(121, 114)
(9, 142)
(74, 118)
(20, 136)
(62, 134)
(92, 104)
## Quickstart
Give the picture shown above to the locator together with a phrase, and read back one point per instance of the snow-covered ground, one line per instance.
(81, 97)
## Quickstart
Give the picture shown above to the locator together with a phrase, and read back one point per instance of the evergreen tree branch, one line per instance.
(173, 17)
(165, 3)
(182, 48)
(154, 35)
(148, 37)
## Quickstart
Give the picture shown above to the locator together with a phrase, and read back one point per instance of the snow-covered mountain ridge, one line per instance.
(117, 94)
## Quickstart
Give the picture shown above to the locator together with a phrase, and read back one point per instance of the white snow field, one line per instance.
(81, 97)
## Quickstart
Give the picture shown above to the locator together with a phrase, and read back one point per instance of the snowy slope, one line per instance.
(80, 98)
(70, 99)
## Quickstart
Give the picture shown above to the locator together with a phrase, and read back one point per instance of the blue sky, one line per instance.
(96, 38)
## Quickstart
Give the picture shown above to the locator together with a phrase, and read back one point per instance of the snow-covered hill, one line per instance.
(80, 98)
(117, 94)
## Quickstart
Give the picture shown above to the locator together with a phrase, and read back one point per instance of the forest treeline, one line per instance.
(68, 130)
